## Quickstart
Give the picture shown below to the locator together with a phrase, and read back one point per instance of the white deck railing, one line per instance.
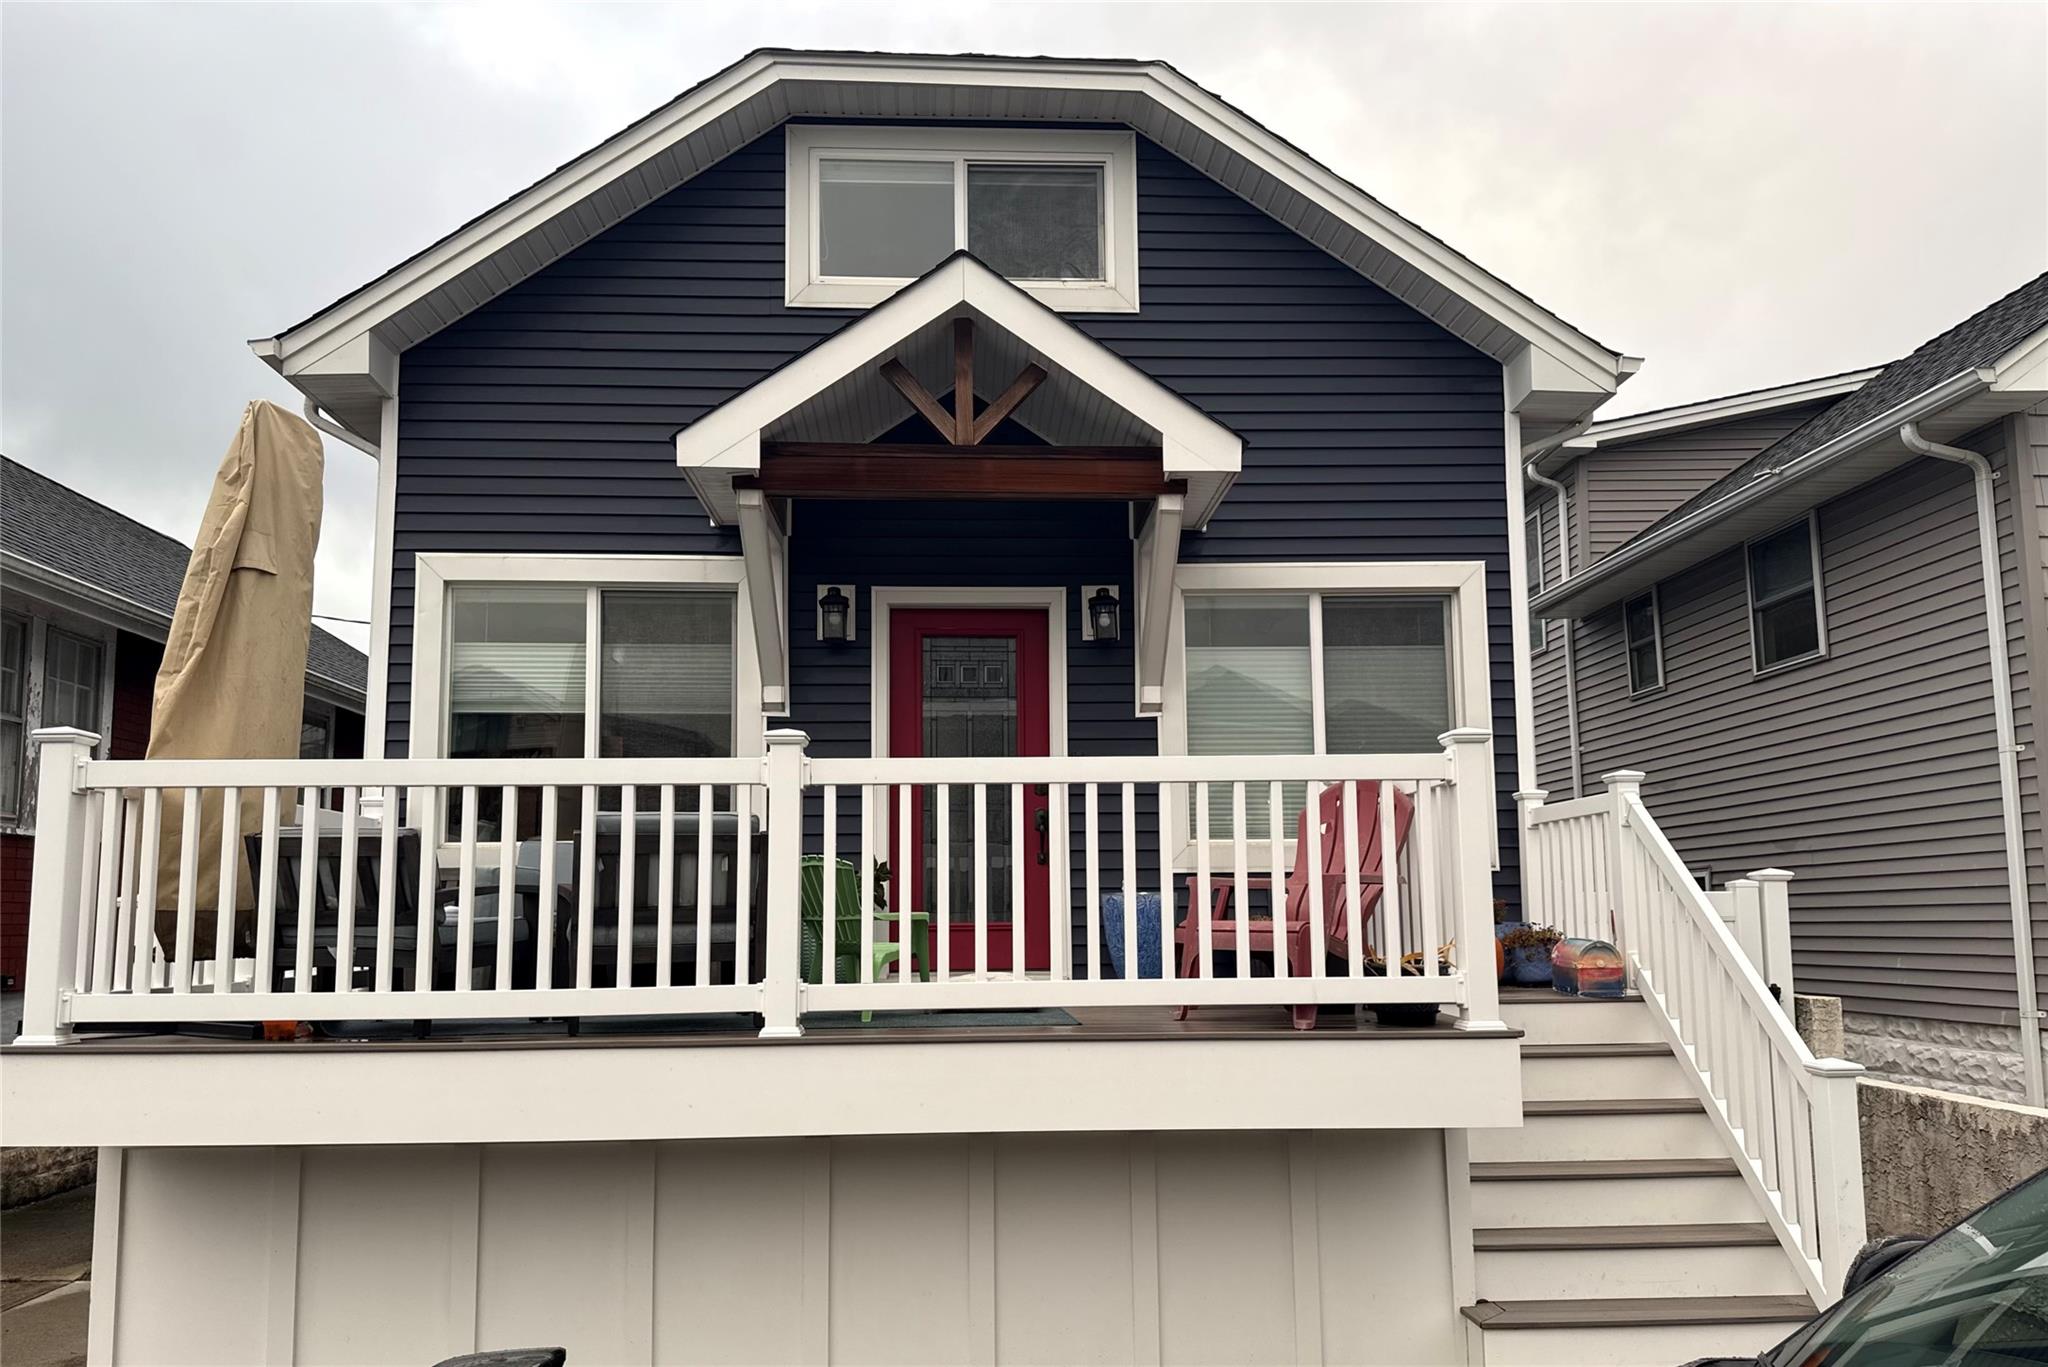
(513, 889)
(1600, 867)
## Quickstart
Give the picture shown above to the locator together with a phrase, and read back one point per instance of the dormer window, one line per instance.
(871, 209)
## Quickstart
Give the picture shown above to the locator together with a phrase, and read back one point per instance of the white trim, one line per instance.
(727, 441)
(1114, 154)
(1710, 412)
(1628, 647)
(1521, 663)
(40, 618)
(754, 95)
(377, 683)
(1757, 668)
(1053, 601)
(1462, 583)
(1534, 515)
(435, 571)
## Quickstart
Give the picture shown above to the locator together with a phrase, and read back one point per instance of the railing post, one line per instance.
(1622, 784)
(1837, 1138)
(1776, 932)
(56, 876)
(1527, 802)
(1746, 917)
(782, 983)
(1469, 751)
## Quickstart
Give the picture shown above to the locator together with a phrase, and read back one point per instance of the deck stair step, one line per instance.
(1633, 1331)
(1638, 1311)
(1609, 1191)
(1602, 1169)
(1543, 1237)
(1603, 1128)
(1629, 1105)
(1626, 1049)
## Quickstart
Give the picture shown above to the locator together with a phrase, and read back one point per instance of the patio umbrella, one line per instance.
(233, 680)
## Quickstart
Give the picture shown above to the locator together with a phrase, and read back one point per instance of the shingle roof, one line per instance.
(55, 526)
(1974, 343)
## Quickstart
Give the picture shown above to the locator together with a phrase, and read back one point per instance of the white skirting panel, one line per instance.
(1203, 1247)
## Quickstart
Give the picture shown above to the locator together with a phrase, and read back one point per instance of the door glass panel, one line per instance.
(970, 711)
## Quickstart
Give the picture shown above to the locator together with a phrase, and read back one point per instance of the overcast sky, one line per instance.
(1742, 195)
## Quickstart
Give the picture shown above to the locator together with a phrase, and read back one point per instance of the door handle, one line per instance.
(1043, 822)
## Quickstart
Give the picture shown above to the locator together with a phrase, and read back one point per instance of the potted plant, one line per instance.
(1407, 1015)
(1528, 954)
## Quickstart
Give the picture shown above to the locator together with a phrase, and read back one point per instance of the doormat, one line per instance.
(938, 1020)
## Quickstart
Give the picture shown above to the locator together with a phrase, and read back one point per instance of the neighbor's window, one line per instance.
(13, 686)
(1375, 679)
(871, 208)
(1785, 609)
(316, 733)
(1645, 643)
(71, 680)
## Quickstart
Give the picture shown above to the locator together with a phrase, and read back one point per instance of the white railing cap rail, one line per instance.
(1133, 769)
(403, 773)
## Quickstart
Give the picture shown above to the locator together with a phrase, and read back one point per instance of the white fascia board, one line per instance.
(2024, 369)
(1172, 93)
(1620, 574)
(363, 354)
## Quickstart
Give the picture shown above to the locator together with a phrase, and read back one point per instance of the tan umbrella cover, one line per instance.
(233, 681)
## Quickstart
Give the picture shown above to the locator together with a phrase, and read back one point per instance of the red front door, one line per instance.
(974, 683)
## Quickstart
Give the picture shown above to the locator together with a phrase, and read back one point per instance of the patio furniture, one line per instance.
(723, 940)
(1293, 913)
(327, 903)
(846, 901)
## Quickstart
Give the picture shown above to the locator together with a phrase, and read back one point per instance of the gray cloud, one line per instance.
(1744, 195)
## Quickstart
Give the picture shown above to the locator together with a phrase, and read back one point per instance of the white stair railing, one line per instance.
(1787, 1117)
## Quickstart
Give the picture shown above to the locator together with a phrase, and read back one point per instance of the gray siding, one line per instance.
(1552, 714)
(1870, 773)
(1629, 487)
(542, 422)
(2023, 507)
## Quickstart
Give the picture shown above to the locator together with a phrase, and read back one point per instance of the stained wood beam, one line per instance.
(963, 381)
(911, 388)
(824, 470)
(1006, 403)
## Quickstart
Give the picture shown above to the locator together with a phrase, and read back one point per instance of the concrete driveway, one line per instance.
(45, 1280)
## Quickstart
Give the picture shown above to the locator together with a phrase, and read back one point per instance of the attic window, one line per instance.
(871, 209)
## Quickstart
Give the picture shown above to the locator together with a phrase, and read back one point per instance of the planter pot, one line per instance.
(1406, 1015)
(1529, 966)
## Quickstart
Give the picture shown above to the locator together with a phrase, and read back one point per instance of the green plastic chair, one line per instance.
(846, 936)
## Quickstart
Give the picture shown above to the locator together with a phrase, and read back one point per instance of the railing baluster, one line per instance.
(665, 888)
(1019, 861)
(228, 890)
(586, 888)
(864, 970)
(1311, 862)
(1241, 903)
(345, 895)
(122, 950)
(106, 913)
(545, 895)
(145, 905)
(1168, 794)
(629, 871)
(465, 894)
(705, 853)
(508, 885)
(427, 912)
(1091, 847)
(89, 876)
(309, 886)
(1276, 859)
(942, 874)
(1354, 924)
(387, 890)
(1429, 886)
(1390, 882)
(1127, 864)
(266, 893)
(1202, 899)
(743, 884)
(828, 879)
(906, 879)
(180, 965)
(981, 881)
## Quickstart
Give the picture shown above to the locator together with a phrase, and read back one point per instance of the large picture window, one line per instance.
(872, 208)
(1787, 620)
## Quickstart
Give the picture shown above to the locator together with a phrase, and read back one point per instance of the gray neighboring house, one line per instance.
(1774, 604)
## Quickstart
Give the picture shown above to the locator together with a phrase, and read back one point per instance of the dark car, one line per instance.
(1977, 1295)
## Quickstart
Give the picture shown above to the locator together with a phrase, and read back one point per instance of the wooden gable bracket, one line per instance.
(764, 548)
(1158, 559)
(961, 427)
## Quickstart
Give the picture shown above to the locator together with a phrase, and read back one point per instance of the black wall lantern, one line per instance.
(835, 613)
(1102, 613)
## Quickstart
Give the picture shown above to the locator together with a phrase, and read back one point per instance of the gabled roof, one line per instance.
(343, 356)
(54, 534)
(1992, 363)
(1091, 395)
(1687, 417)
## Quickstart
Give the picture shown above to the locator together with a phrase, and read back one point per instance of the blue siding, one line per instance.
(543, 422)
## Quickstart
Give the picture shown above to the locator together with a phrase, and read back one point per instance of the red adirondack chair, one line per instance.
(1295, 906)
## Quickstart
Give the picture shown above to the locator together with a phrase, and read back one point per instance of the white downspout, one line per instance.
(2008, 746)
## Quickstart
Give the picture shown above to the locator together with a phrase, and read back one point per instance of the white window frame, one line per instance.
(436, 573)
(21, 796)
(1115, 153)
(1628, 646)
(1757, 667)
(40, 618)
(1462, 583)
(326, 712)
